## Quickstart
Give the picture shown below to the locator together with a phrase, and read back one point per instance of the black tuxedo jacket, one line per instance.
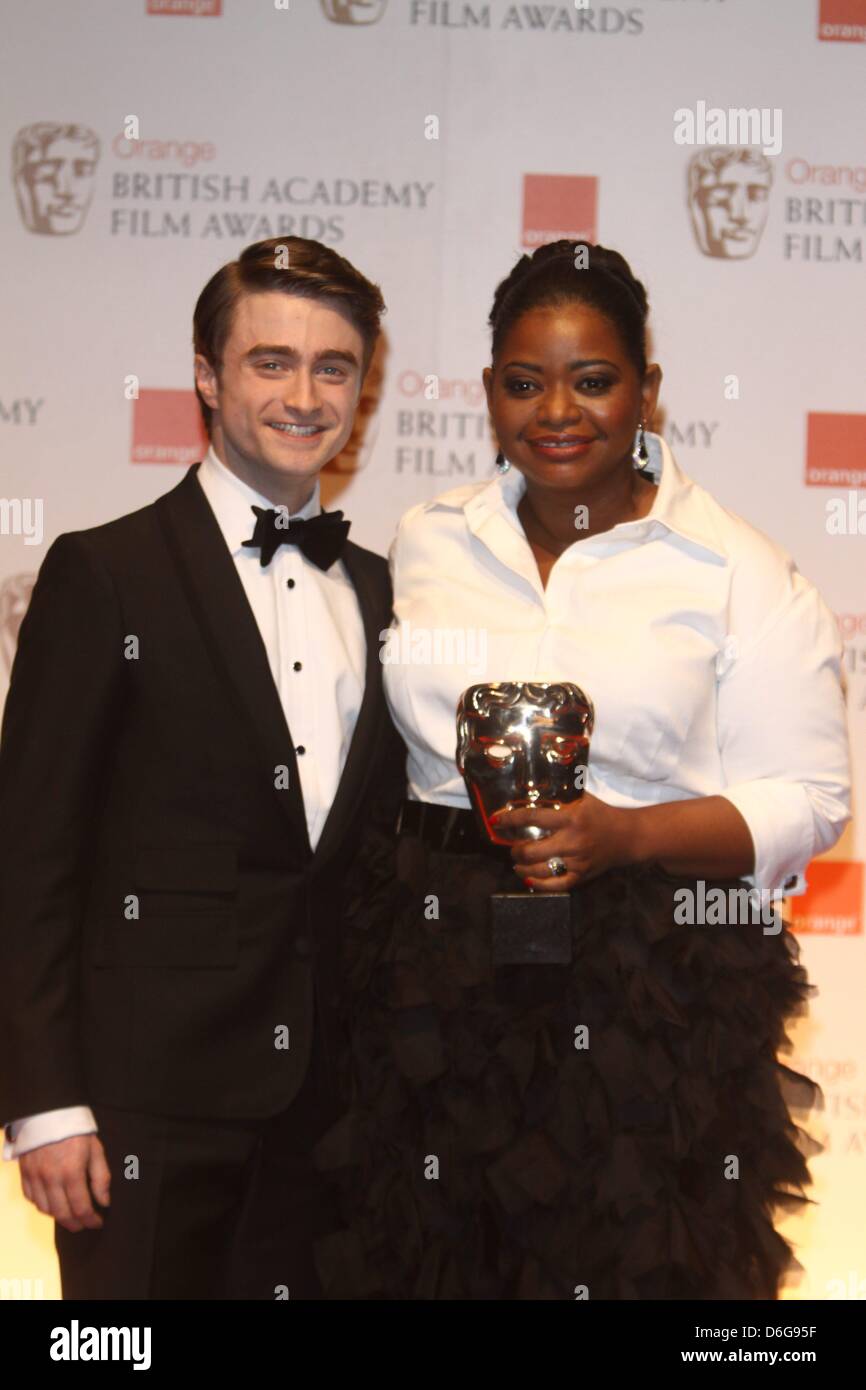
(164, 923)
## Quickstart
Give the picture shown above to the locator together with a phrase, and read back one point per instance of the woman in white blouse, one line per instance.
(618, 1127)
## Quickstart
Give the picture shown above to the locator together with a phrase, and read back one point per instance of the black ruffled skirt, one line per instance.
(483, 1155)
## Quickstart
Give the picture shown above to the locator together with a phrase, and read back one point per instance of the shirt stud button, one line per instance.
(290, 583)
(300, 748)
(296, 666)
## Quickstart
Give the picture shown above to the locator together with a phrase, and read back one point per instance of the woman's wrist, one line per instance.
(636, 835)
(704, 835)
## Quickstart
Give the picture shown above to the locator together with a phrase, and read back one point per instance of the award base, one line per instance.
(530, 928)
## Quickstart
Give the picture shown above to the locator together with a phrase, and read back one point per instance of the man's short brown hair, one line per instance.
(291, 265)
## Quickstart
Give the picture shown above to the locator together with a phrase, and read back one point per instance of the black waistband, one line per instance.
(442, 827)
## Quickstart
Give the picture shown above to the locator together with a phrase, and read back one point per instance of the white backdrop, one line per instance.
(259, 118)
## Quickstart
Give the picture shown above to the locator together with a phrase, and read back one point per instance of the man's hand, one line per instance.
(59, 1179)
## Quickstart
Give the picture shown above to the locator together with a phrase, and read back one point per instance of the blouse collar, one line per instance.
(680, 505)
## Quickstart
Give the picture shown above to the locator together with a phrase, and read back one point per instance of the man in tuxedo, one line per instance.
(194, 735)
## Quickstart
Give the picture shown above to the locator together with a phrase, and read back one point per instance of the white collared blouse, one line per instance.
(714, 666)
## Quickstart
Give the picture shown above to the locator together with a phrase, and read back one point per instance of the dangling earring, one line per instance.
(502, 463)
(640, 453)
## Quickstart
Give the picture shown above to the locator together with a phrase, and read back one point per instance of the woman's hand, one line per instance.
(587, 834)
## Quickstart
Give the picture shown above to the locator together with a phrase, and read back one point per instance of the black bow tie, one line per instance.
(321, 537)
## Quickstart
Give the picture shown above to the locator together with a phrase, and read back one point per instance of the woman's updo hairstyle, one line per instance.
(556, 274)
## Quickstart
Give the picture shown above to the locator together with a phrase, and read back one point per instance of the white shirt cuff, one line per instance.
(782, 826)
(48, 1128)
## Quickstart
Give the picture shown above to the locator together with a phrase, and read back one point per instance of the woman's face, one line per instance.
(566, 399)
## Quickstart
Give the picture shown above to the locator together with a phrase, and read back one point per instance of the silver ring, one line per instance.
(557, 866)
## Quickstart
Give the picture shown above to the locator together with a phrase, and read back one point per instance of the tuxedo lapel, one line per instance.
(360, 756)
(232, 634)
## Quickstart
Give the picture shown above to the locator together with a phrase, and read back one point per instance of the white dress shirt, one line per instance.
(313, 631)
(713, 664)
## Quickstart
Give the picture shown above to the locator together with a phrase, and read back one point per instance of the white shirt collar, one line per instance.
(679, 506)
(231, 500)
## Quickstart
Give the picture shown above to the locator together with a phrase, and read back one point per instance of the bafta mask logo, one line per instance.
(14, 598)
(729, 191)
(354, 11)
(53, 171)
(522, 745)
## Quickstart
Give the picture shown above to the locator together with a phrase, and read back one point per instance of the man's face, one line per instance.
(729, 211)
(359, 446)
(55, 189)
(284, 400)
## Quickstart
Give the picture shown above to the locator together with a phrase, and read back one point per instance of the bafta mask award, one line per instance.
(524, 746)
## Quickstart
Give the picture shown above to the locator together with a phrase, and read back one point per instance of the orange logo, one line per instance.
(833, 902)
(835, 450)
(167, 428)
(558, 207)
(842, 21)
